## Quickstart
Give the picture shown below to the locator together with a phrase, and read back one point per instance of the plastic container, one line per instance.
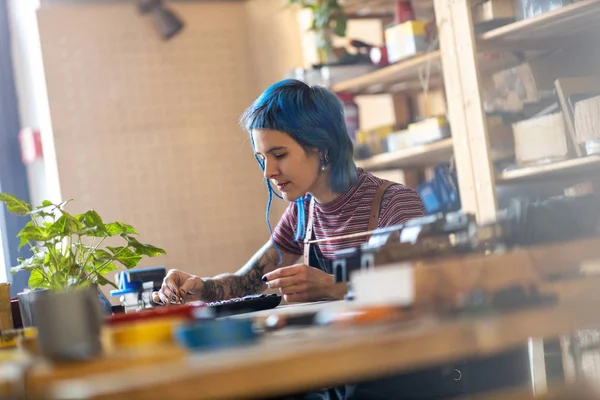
(209, 335)
(403, 12)
(144, 333)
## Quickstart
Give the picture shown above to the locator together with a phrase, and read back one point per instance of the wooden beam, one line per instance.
(467, 118)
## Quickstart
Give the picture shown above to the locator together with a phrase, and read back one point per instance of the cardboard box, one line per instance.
(383, 109)
(430, 104)
(406, 40)
(533, 80)
(492, 10)
(410, 178)
(428, 130)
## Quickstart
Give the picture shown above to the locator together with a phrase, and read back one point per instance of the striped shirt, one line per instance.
(349, 214)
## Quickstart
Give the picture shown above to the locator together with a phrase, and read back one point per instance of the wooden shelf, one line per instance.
(577, 167)
(403, 72)
(546, 30)
(404, 75)
(418, 156)
(380, 8)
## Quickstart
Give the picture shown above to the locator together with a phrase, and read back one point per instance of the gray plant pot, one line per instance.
(69, 324)
(26, 300)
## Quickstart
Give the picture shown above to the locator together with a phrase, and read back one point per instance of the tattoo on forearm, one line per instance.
(247, 281)
(213, 290)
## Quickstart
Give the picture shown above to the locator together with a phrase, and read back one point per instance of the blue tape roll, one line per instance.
(215, 334)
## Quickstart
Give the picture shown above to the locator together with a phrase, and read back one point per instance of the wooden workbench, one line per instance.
(294, 360)
(321, 356)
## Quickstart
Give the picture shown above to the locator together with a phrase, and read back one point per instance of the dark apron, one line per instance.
(467, 377)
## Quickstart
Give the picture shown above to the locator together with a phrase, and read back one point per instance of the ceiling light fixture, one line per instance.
(166, 21)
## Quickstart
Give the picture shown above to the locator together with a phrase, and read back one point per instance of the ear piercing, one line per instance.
(324, 161)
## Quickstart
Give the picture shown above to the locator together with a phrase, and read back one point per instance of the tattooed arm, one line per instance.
(179, 285)
(248, 279)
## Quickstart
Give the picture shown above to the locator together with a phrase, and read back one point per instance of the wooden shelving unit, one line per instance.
(462, 73)
(417, 156)
(577, 167)
(544, 32)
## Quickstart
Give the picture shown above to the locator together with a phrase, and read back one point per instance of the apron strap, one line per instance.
(376, 206)
(309, 231)
(373, 217)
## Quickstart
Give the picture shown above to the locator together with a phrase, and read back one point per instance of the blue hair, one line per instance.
(314, 117)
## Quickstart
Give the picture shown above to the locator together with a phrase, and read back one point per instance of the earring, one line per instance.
(324, 161)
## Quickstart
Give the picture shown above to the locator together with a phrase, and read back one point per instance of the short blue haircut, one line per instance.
(314, 117)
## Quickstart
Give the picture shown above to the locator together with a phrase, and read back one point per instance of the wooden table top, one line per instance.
(300, 359)
(296, 360)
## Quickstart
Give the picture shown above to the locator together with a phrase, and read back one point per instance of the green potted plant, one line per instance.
(328, 18)
(71, 254)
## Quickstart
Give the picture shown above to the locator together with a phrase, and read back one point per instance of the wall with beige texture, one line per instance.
(146, 131)
(275, 48)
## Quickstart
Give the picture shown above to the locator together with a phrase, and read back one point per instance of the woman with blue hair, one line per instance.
(300, 141)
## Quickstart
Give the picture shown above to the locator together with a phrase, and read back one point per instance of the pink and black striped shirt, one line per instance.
(348, 214)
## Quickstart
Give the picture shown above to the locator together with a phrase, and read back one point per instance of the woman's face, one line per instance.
(288, 166)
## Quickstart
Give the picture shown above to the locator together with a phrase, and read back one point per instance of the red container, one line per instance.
(404, 12)
(350, 114)
(185, 311)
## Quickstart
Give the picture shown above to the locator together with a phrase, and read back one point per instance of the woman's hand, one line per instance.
(300, 283)
(178, 287)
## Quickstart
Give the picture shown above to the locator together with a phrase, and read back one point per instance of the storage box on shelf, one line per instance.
(407, 40)
(549, 145)
(383, 109)
(538, 77)
(488, 14)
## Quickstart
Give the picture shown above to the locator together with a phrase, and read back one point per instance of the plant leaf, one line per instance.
(340, 26)
(39, 212)
(125, 256)
(102, 254)
(47, 203)
(15, 205)
(28, 264)
(106, 267)
(118, 228)
(103, 281)
(66, 225)
(92, 224)
(23, 242)
(145, 248)
(58, 282)
(37, 280)
(34, 233)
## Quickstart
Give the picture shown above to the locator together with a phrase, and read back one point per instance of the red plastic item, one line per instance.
(30, 141)
(185, 311)
(378, 55)
(404, 12)
(350, 114)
